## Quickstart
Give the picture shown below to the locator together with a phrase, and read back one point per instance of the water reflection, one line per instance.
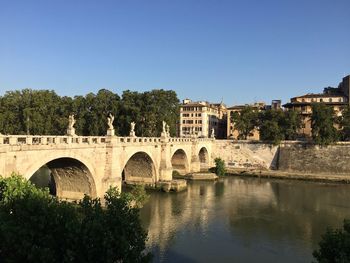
(243, 220)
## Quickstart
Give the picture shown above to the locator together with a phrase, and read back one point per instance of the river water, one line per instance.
(243, 220)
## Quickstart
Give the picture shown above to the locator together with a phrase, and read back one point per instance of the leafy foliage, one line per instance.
(245, 121)
(322, 124)
(277, 125)
(345, 124)
(44, 112)
(37, 227)
(335, 245)
(220, 168)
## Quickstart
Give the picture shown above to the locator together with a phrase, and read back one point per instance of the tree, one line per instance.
(345, 124)
(277, 125)
(37, 227)
(220, 168)
(148, 110)
(335, 245)
(245, 121)
(290, 123)
(322, 124)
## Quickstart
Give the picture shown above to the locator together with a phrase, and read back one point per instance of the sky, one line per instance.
(237, 51)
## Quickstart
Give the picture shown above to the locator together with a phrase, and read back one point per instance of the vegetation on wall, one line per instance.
(37, 227)
(220, 168)
(43, 112)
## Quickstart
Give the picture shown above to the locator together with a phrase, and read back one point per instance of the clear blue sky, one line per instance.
(243, 51)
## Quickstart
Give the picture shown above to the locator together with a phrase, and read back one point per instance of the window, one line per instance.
(321, 100)
(330, 99)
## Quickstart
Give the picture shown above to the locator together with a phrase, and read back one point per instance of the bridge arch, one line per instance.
(204, 158)
(140, 167)
(180, 162)
(67, 177)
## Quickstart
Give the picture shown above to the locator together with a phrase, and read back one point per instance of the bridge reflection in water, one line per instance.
(243, 220)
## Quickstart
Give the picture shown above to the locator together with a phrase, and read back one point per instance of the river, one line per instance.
(243, 220)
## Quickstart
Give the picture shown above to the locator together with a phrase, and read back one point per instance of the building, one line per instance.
(199, 118)
(232, 133)
(338, 98)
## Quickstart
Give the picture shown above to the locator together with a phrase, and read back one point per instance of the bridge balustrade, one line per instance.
(49, 139)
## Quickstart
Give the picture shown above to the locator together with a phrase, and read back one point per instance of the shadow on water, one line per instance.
(243, 219)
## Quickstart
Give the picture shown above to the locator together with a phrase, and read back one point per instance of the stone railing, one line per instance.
(179, 139)
(137, 139)
(44, 140)
(49, 139)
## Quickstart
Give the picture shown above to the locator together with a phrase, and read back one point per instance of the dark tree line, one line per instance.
(43, 112)
(273, 125)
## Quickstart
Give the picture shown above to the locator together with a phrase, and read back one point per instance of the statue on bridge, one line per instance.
(71, 122)
(132, 129)
(110, 119)
(168, 130)
(212, 133)
(164, 133)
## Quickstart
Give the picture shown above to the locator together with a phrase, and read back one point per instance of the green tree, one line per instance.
(148, 110)
(335, 245)
(322, 124)
(276, 125)
(220, 168)
(37, 227)
(245, 121)
(345, 124)
(290, 123)
(270, 126)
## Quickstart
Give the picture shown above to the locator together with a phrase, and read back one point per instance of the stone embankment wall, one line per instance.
(291, 157)
(307, 158)
(246, 154)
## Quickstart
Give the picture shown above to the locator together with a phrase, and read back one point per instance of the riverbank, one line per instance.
(344, 178)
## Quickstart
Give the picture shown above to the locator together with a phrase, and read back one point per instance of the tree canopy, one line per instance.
(322, 124)
(43, 112)
(245, 121)
(335, 245)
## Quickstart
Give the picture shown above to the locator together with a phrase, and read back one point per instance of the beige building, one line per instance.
(199, 118)
(338, 98)
(303, 105)
(232, 133)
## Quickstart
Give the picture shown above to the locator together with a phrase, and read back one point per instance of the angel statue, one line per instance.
(71, 121)
(110, 120)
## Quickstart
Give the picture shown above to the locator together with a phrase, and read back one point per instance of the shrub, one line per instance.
(37, 227)
(220, 169)
(335, 245)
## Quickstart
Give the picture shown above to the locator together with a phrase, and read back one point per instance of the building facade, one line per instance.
(199, 118)
(337, 98)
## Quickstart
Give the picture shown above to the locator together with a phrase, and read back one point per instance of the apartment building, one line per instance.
(199, 118)
(338, 98)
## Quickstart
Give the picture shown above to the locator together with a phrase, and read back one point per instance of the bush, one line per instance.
(335, 245)
(37, 227)
(220, 169)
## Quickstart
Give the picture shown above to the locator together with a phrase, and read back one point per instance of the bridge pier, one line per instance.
(165, 166)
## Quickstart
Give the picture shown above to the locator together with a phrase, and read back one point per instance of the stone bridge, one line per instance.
(77, 165)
